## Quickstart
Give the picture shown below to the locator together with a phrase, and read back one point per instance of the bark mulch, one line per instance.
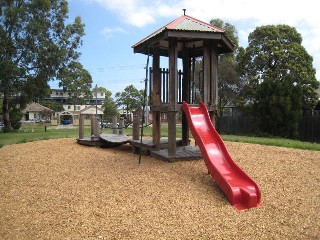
(57, 189)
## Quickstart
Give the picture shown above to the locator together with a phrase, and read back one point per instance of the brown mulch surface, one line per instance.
(57, 189)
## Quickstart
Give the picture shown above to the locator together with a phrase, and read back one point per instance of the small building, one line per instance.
(72, 117)
(36, 112)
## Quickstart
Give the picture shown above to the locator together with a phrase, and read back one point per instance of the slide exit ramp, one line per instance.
(241, 191)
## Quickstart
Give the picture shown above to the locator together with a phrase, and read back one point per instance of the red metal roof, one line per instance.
(184, 23)
(188, 23)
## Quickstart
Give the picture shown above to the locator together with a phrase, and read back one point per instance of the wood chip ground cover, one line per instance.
(57, 189)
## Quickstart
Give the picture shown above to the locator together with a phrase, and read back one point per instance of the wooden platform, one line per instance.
(182, 153)
(147, 146)
(88, 141)
(105, 140)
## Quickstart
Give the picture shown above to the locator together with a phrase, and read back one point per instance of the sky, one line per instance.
(113, 26)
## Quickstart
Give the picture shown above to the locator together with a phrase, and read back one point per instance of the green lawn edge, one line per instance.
(35, 133)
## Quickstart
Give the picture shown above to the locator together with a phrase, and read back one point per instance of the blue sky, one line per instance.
(113, 26)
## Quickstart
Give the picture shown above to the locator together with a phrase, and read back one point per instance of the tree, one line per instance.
(110, 108)
(53, 105)
(130, 98)
(76, 81)
(35, 43)
(228, 74)
(281, 78)
(230, 30)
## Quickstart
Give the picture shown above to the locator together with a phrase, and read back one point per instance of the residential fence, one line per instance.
(309, 126)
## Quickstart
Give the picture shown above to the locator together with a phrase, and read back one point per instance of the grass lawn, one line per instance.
(34, 133)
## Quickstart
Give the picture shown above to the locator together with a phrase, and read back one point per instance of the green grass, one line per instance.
(273, 141)
(29, 134)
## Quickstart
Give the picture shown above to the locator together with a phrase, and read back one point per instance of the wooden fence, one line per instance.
(164, 72)
(309, 129)
(309, 126)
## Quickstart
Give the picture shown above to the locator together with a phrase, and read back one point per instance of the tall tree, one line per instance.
(76, 81)
(130, 98)
(281, 76)
(110, 108)
(53, 105)
(35, 43)
(228, 74)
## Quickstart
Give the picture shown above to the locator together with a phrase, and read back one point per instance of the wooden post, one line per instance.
(210, 75)
(173, 56)
(97, 127)
(185, 94)
(81, 127)
(94, 128)
(121, 126)
(114, 125)
(206, 72)
(214, 81)
(135, 127)
(156, 101)
(92, 125)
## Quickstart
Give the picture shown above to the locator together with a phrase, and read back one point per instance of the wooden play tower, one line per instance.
(186, 38)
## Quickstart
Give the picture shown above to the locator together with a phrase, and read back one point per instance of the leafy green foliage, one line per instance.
(110, 108)
(281, 79)
(76, 81)
(130, 98)
(228, 74)
(53, 105)
(35, 43)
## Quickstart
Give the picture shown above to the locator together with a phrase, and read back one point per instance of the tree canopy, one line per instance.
(130, 98)
(281, 78)
(110, 108)
(35, 43)
(228, 74)
(76, 81)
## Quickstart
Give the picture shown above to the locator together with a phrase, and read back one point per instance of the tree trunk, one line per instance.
(5, 110)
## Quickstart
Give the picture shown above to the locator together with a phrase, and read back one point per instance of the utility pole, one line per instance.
(96, 101)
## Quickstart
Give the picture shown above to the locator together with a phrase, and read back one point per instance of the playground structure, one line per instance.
(188, 38)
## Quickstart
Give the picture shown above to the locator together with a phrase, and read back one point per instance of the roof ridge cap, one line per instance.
(205, 23)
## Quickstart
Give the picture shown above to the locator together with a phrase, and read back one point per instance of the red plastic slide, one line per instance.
(241, 191)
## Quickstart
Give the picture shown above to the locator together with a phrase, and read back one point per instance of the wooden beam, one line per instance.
(81, 127)
(173, 58)
(194, 34)
(156, 90)
(185, 94)
(206, 71)
(213, 82)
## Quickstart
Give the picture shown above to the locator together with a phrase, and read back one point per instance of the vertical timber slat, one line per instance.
(173, 56)
(156, 96)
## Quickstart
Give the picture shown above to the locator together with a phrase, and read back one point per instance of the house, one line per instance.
(72, 112)
(36, 112)
(63, 97)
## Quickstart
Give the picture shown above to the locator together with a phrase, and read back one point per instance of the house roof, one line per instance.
(91, 110)
(36, 107)
(185, 28)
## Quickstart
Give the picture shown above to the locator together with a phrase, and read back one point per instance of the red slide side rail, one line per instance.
(241, 191)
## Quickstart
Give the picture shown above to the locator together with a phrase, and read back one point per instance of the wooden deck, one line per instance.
(182, 153)
(105, 140)
(88, 141)
(147, 146)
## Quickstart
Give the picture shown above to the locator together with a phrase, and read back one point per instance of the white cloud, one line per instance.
(108, 32)
(300, 14)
